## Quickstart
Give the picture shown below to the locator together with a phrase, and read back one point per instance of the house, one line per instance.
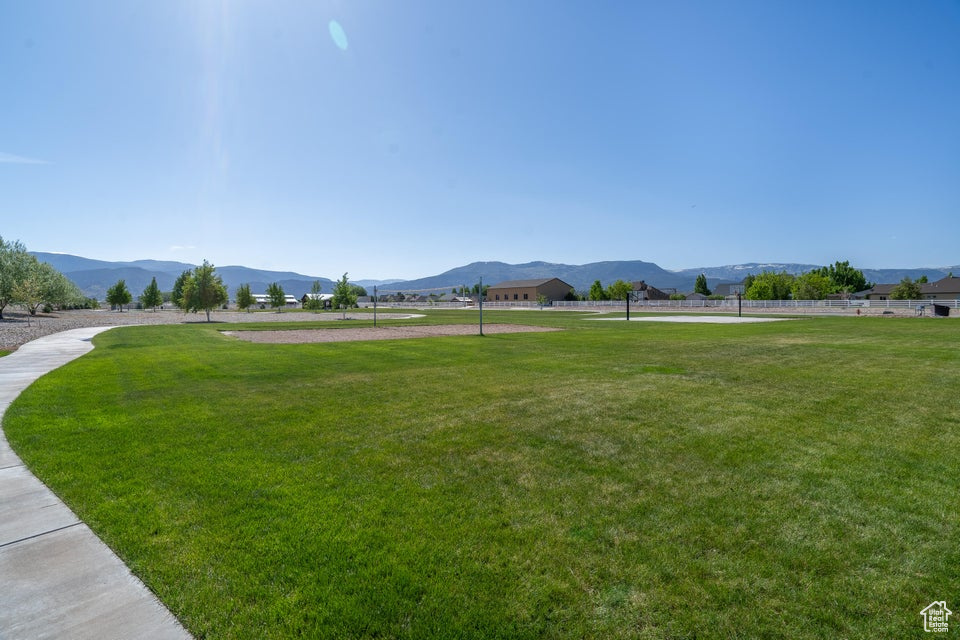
(325, 298)
(262, 300)
(947, 288)
(528, 290)
(943, 289)
(644, 291)
(695, 296)
(729, 289)
(876, 292)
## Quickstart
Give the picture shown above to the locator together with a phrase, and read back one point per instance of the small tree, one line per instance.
(906, 290)
(118, 295)
(343, 295)
(151, 296)
(176, 296)
(314, 302)
(278, 298)
(204, 290)
(244, 298)
(597, 292)
(619, 290)
(701, 285)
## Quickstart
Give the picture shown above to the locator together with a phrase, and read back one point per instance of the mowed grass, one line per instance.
(614, 480)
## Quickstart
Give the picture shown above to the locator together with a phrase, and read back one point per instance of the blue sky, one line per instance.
(421, 136)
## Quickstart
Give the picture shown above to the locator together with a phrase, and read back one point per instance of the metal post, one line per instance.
(739, 306)
(628, 307)
(374, 305)
(480, 297)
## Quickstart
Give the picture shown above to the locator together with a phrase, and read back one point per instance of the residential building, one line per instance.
(528, 290)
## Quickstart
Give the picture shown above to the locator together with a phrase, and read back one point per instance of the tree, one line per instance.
(922, 279)
(204, 290)
(244, 298)
(343, 296)
(118, 295)
(597, 292)
(844, 277)
(14, 264)
(278, 298)
(770, 286)
(151, 296)
(357, 290)
(176, 296)
(906, 290)
(314, 302)
(542, 300)
(701, 285)
(811, 286)
(619, 290)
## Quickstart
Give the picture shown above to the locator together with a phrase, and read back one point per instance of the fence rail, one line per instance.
(680, 304)
(760, 304)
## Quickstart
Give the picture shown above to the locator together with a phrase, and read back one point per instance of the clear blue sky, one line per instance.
(420, 136)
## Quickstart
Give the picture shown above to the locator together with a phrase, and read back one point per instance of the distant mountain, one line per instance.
(579, 276)
(95, 276)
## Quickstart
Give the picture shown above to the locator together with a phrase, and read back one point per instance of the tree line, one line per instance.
(31, 284)
(201, 289)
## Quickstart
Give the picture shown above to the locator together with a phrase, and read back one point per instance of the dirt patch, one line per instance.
(301, 336)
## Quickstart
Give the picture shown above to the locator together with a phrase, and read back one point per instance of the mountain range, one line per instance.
(94, 277)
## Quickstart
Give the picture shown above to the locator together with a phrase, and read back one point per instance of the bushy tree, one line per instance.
(844, 278)
(176, 296)
(906, 290)
(151, 296)
(245, 299)
(357, 290)
(278, 297)
(14, 265)
(811, 286)
(619, 290)
(770, 286)
(118, 295)
(701, 285)
(204, 290)
(597, 292)
(343, 295)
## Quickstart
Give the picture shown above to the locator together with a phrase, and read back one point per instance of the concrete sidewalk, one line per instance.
(57, 579)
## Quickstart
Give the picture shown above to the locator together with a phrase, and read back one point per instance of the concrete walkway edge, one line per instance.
(57, 578)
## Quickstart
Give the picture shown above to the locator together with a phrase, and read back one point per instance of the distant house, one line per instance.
(644, 291)
(528, 290)
(729, 289)
(695, 296)
(325, 298)
(262, 300)
(944, 289)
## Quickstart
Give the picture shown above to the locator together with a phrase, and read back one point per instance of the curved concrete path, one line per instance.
(57, 579)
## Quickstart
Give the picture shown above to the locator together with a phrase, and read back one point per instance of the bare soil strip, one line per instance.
(301, 336)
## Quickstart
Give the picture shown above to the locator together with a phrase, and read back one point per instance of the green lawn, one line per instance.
(4, 352)
(635, 480)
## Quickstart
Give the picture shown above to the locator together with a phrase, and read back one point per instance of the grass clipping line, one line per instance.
(303, 336)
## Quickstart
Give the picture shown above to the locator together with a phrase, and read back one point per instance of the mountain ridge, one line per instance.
(95, 276)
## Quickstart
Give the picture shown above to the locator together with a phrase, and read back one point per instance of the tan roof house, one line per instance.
(528, 290)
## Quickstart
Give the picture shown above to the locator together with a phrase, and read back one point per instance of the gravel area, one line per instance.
(300, 336)
(18, 328)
